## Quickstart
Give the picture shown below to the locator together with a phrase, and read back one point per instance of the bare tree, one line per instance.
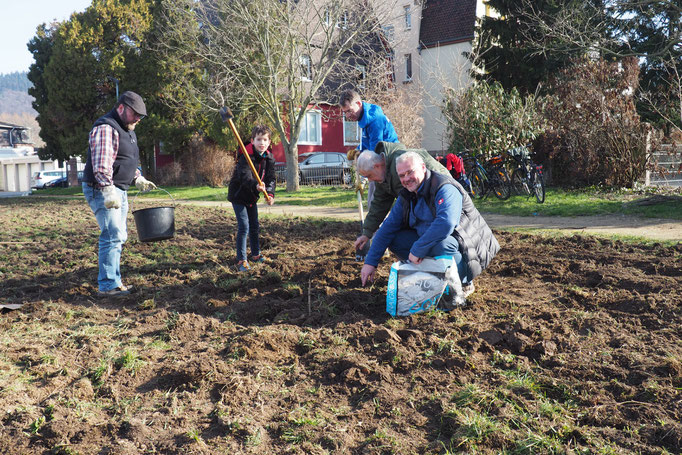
(670, 88)
(402, 104)
(272, 55)
(650, 30)
(606, 27)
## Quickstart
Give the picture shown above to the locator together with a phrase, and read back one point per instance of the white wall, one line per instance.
(441, 67)
(15, 173)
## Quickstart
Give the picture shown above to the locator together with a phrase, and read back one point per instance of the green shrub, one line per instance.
(486, 119)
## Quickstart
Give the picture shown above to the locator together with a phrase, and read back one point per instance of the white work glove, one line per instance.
(144, 185)
(112, 200)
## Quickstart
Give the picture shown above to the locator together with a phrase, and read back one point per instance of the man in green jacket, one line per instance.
(379, 166)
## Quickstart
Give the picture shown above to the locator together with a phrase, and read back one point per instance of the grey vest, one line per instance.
(477, 243)
(127, 158)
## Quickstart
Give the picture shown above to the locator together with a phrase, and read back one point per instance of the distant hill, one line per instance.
(14, 97)
(14, 102)
(15, 81)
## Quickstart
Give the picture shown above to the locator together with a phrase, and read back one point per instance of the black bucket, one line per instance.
(155, 223)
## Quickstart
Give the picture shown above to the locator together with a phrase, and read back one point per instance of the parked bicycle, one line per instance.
(487, 177)
(527, 177)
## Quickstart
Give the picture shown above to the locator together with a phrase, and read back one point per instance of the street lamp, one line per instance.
(115, 81)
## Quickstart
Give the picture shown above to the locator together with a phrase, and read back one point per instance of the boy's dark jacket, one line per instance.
(242, 189)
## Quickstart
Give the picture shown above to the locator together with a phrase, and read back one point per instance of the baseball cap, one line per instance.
(133, 101)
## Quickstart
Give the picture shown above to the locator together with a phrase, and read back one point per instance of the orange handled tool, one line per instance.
(227, 116)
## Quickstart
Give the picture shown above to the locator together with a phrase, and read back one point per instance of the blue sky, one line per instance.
(20, 20)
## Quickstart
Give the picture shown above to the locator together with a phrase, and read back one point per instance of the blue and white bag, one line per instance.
(415, 288)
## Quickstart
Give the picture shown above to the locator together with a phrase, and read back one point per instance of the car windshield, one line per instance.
(316, 159)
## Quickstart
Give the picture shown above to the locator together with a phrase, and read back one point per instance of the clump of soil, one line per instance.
(568, 345)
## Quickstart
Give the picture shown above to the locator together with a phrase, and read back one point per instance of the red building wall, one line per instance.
(332, 139)
(161, 159)
(332, 135)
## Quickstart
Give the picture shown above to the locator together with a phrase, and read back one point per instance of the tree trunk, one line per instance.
(291, 154)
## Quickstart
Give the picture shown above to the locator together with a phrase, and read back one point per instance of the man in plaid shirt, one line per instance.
(111, 167)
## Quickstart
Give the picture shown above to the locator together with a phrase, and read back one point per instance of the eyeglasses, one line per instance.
(136, 117)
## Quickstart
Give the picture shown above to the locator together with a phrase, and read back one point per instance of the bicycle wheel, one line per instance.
(520, 182)
(500, 183)
(478, 186)
(539, 187)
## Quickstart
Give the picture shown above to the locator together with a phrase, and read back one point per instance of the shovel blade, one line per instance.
(362, 252)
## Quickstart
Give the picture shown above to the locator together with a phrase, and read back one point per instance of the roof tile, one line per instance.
(447, 21)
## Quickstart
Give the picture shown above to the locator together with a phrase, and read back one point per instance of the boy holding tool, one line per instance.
(253, 174)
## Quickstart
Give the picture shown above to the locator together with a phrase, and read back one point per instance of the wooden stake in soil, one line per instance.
(309, 306)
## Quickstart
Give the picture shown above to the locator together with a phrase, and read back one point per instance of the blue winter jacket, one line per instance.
(375, 126)
(430, 229)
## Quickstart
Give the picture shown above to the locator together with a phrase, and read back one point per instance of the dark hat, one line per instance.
(133, 101)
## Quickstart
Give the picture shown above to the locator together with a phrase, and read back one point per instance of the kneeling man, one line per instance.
(433, 216)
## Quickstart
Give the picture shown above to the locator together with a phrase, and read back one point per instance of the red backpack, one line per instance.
(455, 165)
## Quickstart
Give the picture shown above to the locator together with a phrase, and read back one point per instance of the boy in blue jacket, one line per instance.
(376, 127)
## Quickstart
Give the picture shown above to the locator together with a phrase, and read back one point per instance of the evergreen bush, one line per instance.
(487, 119)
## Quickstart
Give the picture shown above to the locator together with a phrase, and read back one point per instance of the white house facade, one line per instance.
(431, 39)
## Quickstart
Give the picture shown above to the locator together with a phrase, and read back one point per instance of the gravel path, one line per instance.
(651, 228)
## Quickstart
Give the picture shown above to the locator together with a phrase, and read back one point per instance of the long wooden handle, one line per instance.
(246, 155)
(362, 216)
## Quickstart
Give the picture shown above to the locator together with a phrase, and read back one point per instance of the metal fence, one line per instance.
(281, 172)
(330, 175)
(667, 161)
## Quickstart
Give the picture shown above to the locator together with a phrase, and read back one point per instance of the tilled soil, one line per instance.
(568, 345)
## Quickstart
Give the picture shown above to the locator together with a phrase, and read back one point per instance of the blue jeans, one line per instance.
(405, 238)
(114, 232)
(247, 223)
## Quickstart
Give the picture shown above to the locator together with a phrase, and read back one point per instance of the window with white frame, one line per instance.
(408, 17)
(352, 133)
(389, 32)
(163, 150)
(311, 129)
(306, 68)
(343, 20)
(408, 67)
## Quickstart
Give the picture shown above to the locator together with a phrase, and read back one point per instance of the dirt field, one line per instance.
(569, 345)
